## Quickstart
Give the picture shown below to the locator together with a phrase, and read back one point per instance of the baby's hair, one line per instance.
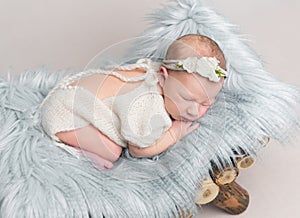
(195, 45)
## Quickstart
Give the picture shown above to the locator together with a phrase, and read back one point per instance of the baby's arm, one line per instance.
(178, 130)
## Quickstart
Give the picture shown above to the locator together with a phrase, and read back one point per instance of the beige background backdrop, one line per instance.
(68, 34)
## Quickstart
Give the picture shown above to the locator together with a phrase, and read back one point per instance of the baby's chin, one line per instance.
(174, 117)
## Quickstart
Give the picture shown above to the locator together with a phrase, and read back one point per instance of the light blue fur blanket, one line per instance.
(39, 179)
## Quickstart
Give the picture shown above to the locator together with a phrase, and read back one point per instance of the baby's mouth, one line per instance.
(185, 120)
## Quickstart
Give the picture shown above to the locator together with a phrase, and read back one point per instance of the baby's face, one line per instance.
(189, 96)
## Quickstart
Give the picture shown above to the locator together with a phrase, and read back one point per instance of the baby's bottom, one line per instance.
(93, 144)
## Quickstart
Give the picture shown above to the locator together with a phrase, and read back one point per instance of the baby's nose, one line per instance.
(193, 111)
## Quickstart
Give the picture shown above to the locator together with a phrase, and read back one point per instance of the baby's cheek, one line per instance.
(175, 107)
(172, 107)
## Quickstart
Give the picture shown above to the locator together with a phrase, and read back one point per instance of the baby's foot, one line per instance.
(98, 161)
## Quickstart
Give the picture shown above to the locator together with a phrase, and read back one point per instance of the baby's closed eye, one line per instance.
(209, 102)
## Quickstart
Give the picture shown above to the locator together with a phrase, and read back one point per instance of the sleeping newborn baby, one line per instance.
(145, 107)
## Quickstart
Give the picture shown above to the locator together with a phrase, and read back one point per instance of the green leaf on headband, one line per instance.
(220, 73)
(179, 65)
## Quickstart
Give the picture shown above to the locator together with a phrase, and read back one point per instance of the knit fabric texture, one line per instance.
(138, 116)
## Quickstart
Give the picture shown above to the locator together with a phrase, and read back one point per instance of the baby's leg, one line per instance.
(90, 139)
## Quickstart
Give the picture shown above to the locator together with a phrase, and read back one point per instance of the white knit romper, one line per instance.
(138, 116)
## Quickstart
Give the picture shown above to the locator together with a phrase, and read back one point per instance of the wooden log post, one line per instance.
(245, 162)
(223, 176)
(186, 214)
(242, 159)
(208, 191)
(264, 141)
(232, 198)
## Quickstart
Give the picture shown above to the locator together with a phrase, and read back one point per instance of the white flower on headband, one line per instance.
(205, 66)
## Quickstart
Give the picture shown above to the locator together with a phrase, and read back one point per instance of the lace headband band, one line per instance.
(205, 66)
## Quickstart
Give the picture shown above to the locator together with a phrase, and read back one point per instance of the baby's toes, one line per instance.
(98, 161)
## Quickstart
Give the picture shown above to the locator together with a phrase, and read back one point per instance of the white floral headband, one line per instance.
(205, 66)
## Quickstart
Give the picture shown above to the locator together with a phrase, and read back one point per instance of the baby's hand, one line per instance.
(180, 129)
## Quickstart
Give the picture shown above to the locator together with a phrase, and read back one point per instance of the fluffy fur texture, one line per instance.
(39, 179)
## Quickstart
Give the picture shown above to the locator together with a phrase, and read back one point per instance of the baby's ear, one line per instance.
(162, 75)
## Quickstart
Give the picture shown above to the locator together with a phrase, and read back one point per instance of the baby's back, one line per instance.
(106, 86)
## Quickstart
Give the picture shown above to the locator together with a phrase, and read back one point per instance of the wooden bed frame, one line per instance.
(220, 188)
